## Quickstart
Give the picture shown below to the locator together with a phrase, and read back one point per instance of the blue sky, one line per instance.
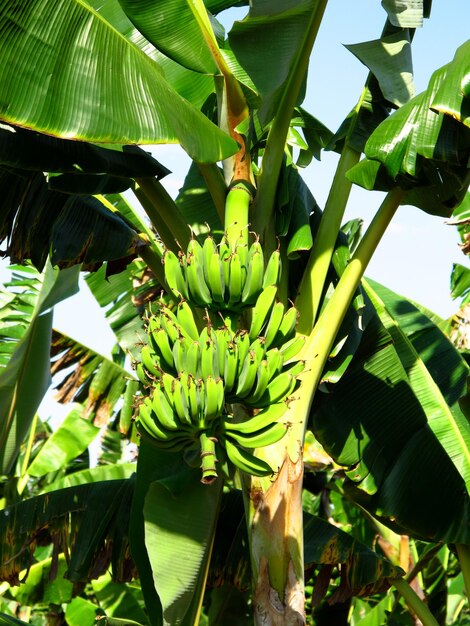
(417, 252)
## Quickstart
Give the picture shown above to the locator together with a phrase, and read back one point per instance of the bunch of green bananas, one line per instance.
(184, 413)
(193, 376)
(254, 365)
(221, 277)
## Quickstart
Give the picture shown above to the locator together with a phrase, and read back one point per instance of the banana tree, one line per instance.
(227, 376)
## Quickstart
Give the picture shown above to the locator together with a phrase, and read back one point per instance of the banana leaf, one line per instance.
(177, 28)
(123, 296)
(192, 86)
(25, 378)
(71, 438)
(422, 150)
(89, 522)
(278, 28)
(92, 84)
(90, 378)
(25, 149)
(407, 14)
(74, 229)
(389, 60)
(389, 425)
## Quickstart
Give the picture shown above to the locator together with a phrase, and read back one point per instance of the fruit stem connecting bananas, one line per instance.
(237, 205)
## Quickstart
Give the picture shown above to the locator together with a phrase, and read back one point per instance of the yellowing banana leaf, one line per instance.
(71, 438)
(26, 377)
(388, 424)
(89, 521)
(92, 84)
(177, 28)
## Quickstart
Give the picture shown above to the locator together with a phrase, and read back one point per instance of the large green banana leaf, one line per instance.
(388, 423)
(193, 86)
(91, 83)
(279, 28)
(177, 28)
(421, 149)
(25, 378)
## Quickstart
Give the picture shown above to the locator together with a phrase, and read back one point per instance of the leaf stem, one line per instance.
(163, 213)
(154, 262)
(216, 185)
(414, 602)
(275, 143)
(463, 553)
(320, 341)
(313, 280)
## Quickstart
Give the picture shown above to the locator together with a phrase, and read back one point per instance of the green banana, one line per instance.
(213, 390)
(245, 461)
(150, 361)
(275, 362)
(209, 357)
(235, 280)
(287, 327)
(209, 248)
(180, 403)
(274, 322)
(198, 290)
(242, 341)
(262, 381)
(185, 318)
(193, 358)
(216, 279)
(179, 355)
(254, 277)
(174, 275)
(164, 410)
(272, 273)
(247, 377)
(163, 349)
(262, 310)
(278, 389)
(292, 347)
(272, 433)
(230, 366)
(141, 374)
(264, 418)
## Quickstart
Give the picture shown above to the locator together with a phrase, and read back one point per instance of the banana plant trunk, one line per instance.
(275, 528)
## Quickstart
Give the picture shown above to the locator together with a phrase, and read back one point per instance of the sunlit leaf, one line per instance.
(174, 27)
(107, 91)
(389, 59)
(26, 377)
(73, 436)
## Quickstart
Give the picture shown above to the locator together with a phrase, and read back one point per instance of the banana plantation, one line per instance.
(274, 439)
